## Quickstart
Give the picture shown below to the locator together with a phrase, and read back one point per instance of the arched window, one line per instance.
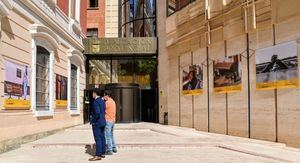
(75, 63)
(44, 46)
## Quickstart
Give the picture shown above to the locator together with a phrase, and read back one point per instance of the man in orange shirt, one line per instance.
(110, 116)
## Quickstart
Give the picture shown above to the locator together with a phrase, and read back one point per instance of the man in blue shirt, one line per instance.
(98, 123)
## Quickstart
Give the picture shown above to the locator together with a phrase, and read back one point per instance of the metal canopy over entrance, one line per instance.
(122, 61)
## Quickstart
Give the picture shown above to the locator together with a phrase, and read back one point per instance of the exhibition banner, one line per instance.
(192, 78)
(228, 74)
(277, 66)
(61, 91)
(16, 86)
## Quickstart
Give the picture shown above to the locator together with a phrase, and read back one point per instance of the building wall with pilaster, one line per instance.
(261, 114)
(17, 43)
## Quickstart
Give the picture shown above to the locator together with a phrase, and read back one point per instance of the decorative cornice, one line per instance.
(76, 26)
(76, 56)
(62, 30)
(5, 7)
(39, 31)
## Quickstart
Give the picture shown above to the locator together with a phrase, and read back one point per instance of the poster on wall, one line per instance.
(61, 91)
(16, 86)
(228, 74)
(277, 66)
(192, 78)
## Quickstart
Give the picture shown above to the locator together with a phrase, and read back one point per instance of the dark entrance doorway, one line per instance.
(128, 100)
(149, 105)
(125, 71)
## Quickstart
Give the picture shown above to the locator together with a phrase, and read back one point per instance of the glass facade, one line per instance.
(124, 70)
(99, 72)
(138, 18)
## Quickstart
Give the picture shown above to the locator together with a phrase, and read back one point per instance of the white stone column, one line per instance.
(33, 77)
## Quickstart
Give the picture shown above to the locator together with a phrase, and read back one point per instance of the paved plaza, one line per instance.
(152, 143)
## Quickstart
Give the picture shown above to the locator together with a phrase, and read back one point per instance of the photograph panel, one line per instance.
(192, 79)
(228, 74)
(276, 65)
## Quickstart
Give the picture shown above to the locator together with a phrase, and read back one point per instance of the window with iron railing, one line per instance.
(42, 79)
(74, 88)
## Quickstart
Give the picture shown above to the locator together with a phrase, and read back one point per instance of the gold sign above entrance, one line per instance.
(136, 45)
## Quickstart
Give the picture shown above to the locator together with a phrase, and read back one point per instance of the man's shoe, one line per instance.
(108, 153)
(95, 158)
(102, 156)
(114, 150)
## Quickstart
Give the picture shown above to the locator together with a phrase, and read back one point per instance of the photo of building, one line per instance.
(16, 86)
(228, 74)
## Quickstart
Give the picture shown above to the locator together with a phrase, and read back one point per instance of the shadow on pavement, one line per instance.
(90, 149)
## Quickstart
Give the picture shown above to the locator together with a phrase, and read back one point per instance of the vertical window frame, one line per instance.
(50, 110)
(93, 30)
(43, 80)
(73, 110)
(74, 87)
(96, 4)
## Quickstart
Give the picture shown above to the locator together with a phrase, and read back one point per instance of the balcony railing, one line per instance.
(52, 11)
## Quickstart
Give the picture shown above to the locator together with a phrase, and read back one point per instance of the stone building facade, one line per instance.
(42, 74)
(102, 18)
(206, 30)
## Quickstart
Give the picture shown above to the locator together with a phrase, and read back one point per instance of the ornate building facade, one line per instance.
(42, 66)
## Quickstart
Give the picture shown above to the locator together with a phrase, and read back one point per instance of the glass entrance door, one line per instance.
(125, 70)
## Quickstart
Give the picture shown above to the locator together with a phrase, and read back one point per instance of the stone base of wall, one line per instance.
(19, 127)
(12, 144)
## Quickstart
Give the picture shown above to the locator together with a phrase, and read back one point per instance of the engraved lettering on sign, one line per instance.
(120, 46)
(95, 48)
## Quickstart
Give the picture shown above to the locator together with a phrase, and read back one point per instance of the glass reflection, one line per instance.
(144, 9)
(99, 72)
(124, 71)
(139, 18)
(142, 71)
(145, 73)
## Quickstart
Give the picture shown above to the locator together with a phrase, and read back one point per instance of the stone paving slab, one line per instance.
(170, 155)
(152, 143)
